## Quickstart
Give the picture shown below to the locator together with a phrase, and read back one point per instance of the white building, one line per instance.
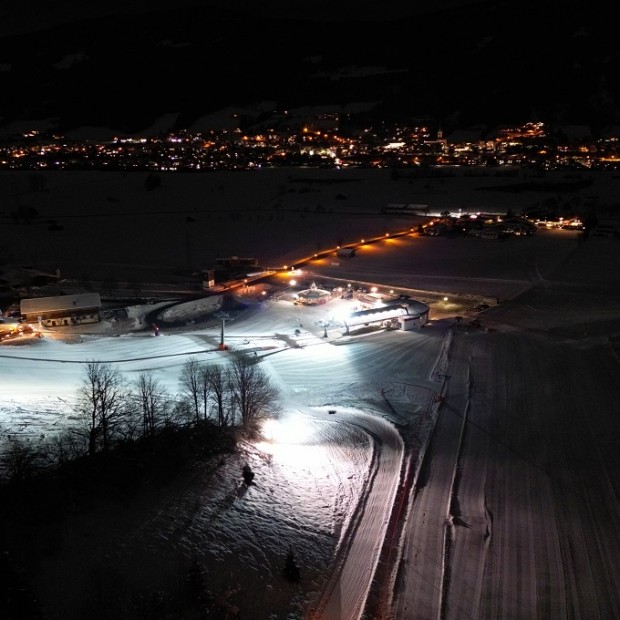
(62, 309)
(405, 313)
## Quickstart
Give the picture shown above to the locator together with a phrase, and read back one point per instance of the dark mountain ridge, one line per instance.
(484, 63)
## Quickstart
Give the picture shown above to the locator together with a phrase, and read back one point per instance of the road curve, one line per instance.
(346, 589)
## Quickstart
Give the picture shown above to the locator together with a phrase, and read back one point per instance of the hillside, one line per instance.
(479, 63)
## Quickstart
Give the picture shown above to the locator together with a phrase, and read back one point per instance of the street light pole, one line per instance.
(222, 316)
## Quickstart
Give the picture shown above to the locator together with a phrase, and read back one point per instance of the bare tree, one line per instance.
(181, 413)
(190, 384)
(152, 398)
(102, 401)
(252, 393)
(66, 446)
(195, 386)
(219, 381)
(20, 461)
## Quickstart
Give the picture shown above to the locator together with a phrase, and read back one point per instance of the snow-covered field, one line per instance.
(114, 229)
(509, 512)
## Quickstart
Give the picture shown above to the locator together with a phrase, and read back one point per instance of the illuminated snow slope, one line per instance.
(514, 513)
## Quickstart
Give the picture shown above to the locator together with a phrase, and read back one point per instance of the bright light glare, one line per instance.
(342, 315)
(287, 431)
(290, 441)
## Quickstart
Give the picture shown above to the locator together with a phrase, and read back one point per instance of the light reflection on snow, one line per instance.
(288, 430)
(312, 470)
(291, 440)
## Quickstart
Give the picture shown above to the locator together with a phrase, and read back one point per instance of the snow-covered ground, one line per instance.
(114, 229)
(509, 512)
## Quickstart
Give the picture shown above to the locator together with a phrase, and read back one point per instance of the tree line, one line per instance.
(233, 397)
(127, 436)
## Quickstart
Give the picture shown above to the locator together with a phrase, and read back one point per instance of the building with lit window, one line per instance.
(62, 310)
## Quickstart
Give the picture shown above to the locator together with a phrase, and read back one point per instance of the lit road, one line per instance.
(346, 590)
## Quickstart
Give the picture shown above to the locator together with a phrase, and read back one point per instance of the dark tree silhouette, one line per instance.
(252, 393)
(291, 570)
(102, 403)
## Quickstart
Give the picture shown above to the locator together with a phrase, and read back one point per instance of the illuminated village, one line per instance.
(327, 140)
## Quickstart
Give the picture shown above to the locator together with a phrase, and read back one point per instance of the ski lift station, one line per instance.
(399, 312)
(403, 313)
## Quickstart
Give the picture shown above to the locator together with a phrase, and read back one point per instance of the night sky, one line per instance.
(462, 62)
(31, 15)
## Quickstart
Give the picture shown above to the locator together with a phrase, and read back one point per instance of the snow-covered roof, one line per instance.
(409, 307)
(60, 302)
